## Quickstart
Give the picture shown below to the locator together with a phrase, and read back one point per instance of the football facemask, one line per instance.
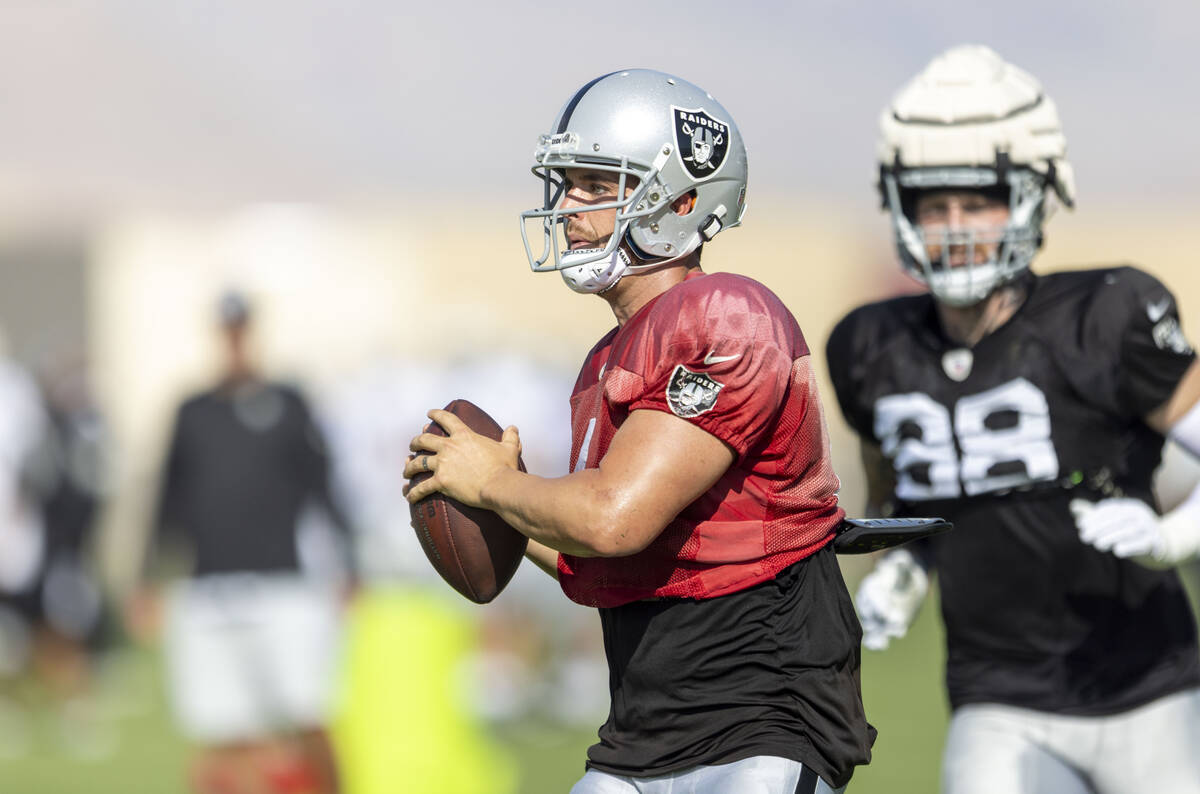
(959, 275)
(589, 270)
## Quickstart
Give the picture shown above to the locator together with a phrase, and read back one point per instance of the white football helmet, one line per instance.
(659, 131)
(970, 120)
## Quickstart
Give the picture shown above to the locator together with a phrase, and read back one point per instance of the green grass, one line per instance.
(549, 759)
(906, 702)
(902, 690)
(149, 756)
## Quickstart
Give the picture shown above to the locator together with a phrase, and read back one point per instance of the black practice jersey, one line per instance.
(999, 439)
(243, 462)
(769, 670)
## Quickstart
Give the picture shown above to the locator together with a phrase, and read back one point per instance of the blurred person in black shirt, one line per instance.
(252, 634)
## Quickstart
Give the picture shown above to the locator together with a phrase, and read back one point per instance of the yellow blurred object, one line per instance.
(402, 724)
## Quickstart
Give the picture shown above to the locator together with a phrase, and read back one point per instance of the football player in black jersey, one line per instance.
(1030, 411)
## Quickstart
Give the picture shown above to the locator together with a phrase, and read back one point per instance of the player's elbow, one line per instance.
(615, 542)
(618, 532)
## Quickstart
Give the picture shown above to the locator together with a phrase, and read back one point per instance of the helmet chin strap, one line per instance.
(601, 275)
(598, 275)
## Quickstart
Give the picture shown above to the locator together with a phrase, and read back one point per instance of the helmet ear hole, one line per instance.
(685, 203)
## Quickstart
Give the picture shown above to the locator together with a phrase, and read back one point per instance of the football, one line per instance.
(473, 549)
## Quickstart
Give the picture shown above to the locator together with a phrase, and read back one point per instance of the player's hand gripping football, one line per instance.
(888, 598)
(1130, 528)
(461, 463)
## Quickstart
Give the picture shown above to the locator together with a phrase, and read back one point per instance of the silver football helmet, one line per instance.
(663, 137)
(970, 120)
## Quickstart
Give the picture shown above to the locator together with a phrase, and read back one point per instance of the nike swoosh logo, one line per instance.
(710, 359)
(1155, 311)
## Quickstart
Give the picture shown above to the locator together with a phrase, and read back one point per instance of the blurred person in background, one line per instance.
(74, 625)
(24, 429)
(253, 634)
(700, 509)
(53, 617)
(1030, 410)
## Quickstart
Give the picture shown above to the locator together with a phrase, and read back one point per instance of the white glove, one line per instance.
(888, 598)
(1130, 528)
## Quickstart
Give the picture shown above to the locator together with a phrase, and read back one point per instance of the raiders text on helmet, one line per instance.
(664, 137)
(970, 120)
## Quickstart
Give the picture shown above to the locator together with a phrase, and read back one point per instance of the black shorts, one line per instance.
(770, 670)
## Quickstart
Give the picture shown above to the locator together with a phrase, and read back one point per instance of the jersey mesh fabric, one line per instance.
(788, 509)
(778, 502)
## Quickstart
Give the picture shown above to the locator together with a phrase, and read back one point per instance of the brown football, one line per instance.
(473, 549)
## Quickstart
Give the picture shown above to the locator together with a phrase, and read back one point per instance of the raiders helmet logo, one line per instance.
(701, 142)
(691, 393)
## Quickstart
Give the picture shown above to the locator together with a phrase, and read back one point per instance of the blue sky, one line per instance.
(194, 103)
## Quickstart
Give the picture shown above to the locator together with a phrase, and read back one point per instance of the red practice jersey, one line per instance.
(723, 352)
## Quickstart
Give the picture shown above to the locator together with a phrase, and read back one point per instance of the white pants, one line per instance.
(250, 654)
(762, 774)
(992, 749)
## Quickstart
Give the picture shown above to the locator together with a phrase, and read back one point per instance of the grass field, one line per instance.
(902, 690)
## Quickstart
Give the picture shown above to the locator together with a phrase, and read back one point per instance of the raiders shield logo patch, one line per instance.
(691, 393)
(701, 142)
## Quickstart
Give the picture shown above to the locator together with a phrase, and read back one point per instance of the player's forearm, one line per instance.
(543, 557)
(1131, 528)
(1180, 527)
(576, 514)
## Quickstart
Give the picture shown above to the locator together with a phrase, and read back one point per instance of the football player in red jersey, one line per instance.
(1029, 410)
(701, 506)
